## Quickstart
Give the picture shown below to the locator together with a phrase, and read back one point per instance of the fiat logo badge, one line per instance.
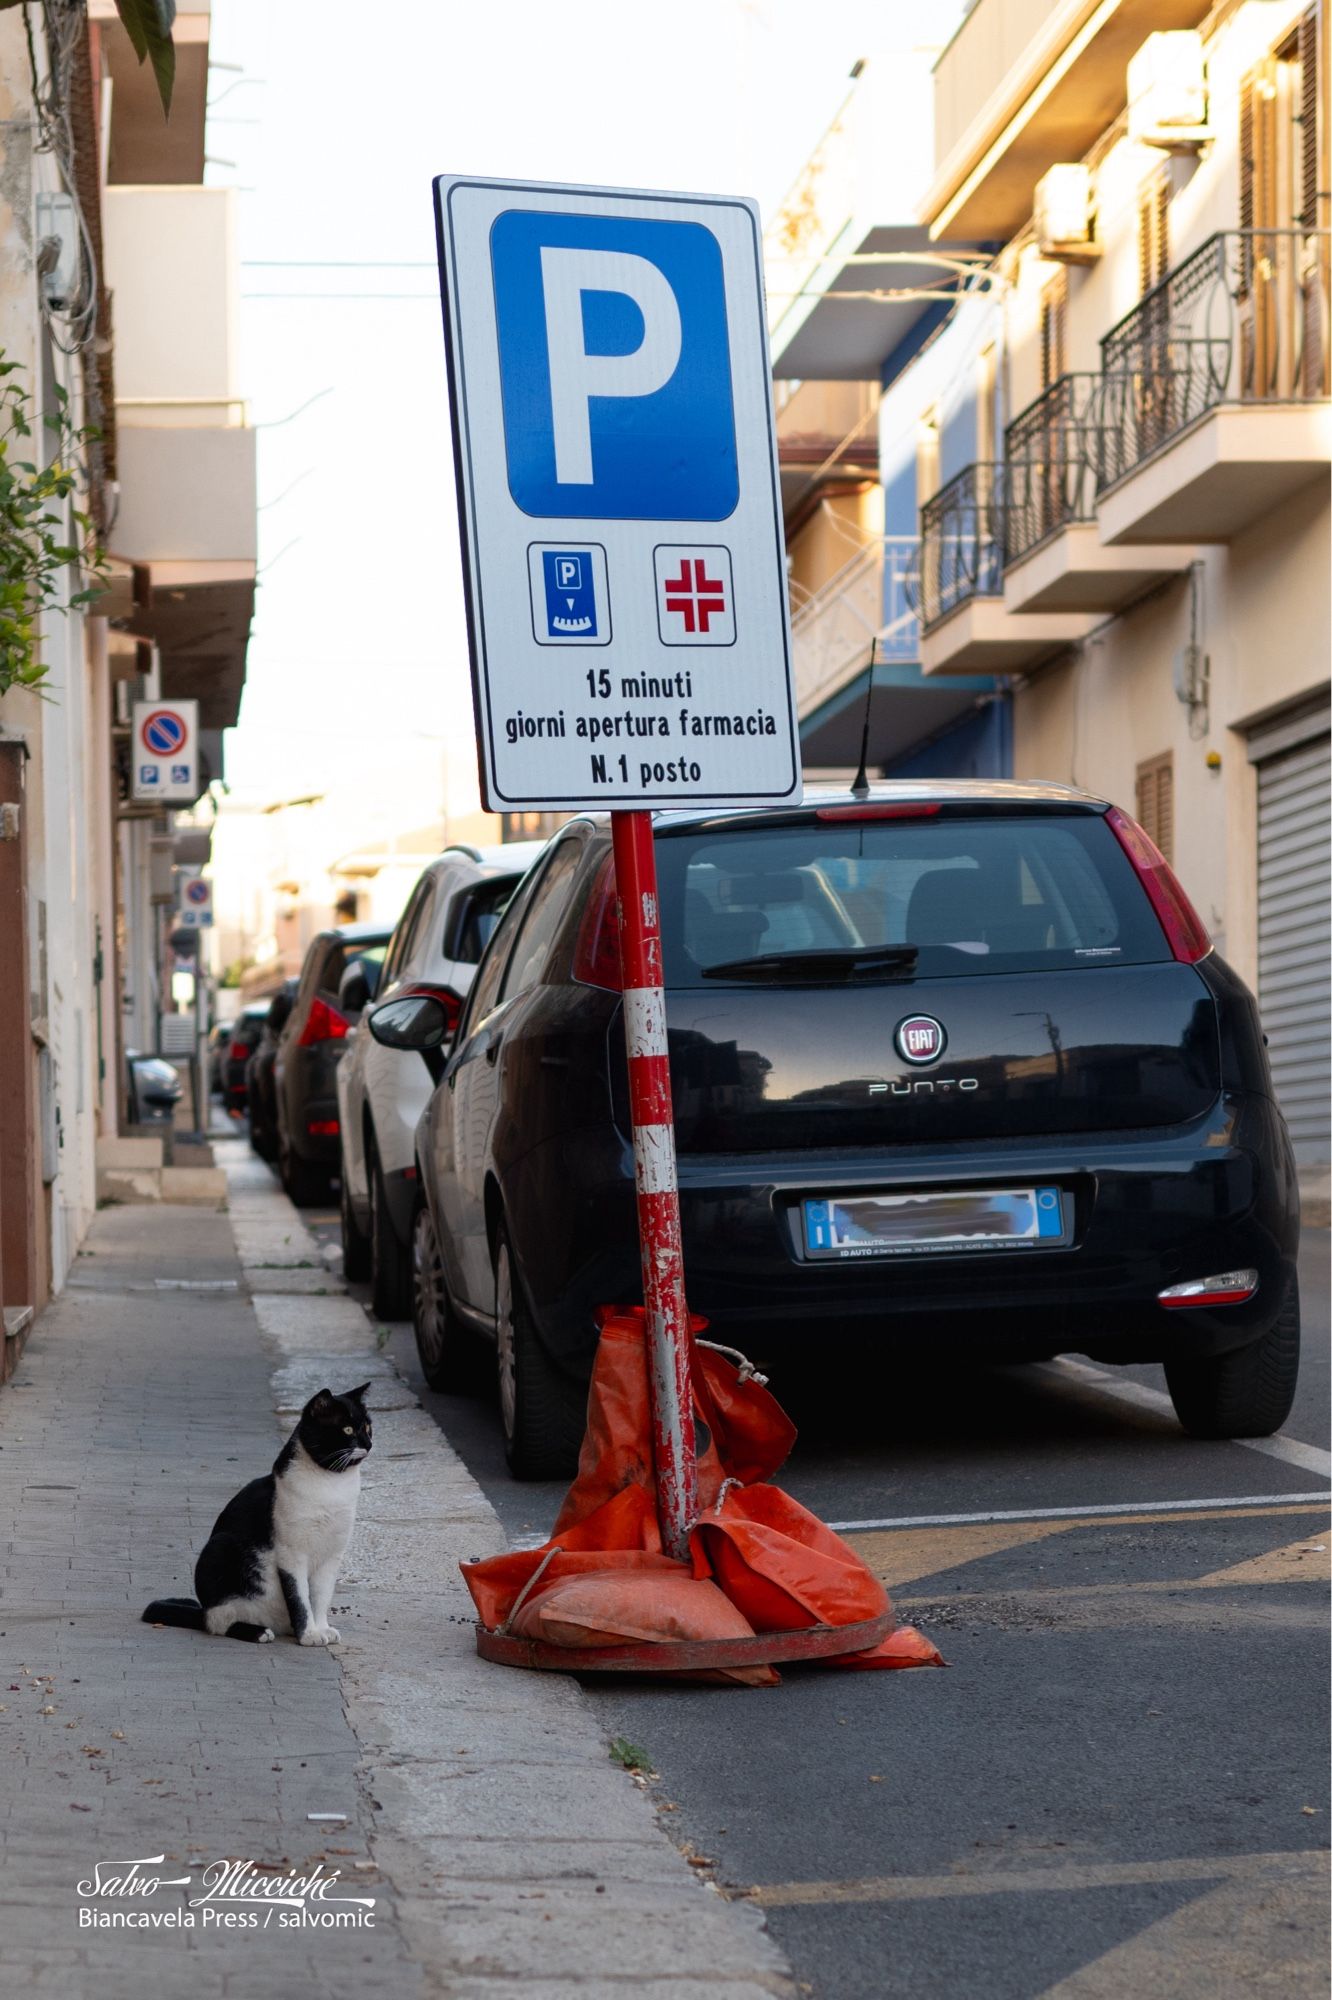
(920, 1038)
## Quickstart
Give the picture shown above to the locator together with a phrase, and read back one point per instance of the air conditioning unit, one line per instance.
(1167, 90)
(1064, 218)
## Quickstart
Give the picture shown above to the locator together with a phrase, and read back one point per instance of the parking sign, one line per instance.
(618, 496)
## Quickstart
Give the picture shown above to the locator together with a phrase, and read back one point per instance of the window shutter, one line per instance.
(1316, 276)
(1054, 313)
(1155, 794)
(1161, 226)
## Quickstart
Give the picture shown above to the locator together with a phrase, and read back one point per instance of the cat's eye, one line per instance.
(347, 1430)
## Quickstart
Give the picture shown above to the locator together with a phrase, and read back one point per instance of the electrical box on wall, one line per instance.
(1064, 214)
(1167, 90)
(58, 259)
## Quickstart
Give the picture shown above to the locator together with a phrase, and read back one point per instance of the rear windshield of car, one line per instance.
(485, 907)
(975, 895)
(340, 956)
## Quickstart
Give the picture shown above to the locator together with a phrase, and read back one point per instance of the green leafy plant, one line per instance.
(36, 521)
(148, 24)
(629, 1755)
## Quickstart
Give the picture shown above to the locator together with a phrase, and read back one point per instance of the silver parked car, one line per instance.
(382, 1092)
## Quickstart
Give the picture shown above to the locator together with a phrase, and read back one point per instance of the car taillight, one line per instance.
(322, 1128)
(909, 809)
(1223, 1288)
(596, 959)
(242, 1048)
(450, 1001)
(324, 1024)
(1185, 931)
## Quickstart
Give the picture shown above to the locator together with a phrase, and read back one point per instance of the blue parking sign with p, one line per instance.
(615, 371)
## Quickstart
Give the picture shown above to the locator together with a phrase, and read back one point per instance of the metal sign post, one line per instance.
(655, 1179)
(625, 570)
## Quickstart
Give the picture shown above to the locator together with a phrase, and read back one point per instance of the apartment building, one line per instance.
(117, 309)
(1113, 444)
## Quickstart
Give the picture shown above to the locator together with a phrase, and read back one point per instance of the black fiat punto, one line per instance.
(953, 1066)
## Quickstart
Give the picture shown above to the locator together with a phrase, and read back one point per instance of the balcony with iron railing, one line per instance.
(1214, 405)
(963, 549)
(870, 600)
(1054, 558)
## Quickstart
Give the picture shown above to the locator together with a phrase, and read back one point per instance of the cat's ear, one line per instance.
(355, 1395)
(320, 1404)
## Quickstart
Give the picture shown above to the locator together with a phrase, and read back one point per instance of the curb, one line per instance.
(522, 1861)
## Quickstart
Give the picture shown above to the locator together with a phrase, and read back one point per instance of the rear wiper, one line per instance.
(821, 968)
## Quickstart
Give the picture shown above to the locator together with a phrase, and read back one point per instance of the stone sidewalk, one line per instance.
(504, 1852)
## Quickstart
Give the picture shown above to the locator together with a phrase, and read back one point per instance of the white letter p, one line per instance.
(575, 375)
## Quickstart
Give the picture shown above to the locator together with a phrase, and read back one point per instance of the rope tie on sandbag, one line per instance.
(726, 1486)
(530, 1586)
(745, 1367)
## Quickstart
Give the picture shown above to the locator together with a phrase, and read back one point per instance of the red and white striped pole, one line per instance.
(655, 1176)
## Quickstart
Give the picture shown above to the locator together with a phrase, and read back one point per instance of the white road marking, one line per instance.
(1080, 1513)
(1107, 1383)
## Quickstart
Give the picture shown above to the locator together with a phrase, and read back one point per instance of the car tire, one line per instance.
(1247, 1392)
(451, 1356)
(262, 1136)
(543, 1413)
(355, 1242)
(304, 1181)
(390, 1264)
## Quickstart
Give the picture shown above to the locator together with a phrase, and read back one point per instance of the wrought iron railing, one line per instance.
(871, 598)
(1243, 320)
(1053, 454)
(962, 542)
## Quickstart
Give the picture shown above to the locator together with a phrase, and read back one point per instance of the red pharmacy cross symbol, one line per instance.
(697, 596)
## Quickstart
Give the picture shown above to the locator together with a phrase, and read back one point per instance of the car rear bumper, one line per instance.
(1151, 1209)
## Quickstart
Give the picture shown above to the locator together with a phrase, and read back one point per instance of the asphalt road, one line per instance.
(1119, 1785)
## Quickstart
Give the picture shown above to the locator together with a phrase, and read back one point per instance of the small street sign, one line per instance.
(196, 903)
(619, 499)
(164, 751)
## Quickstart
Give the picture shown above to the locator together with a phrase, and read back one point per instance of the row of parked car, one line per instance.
(955, 1069)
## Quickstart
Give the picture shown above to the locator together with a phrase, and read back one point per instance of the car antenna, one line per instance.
(860, 785)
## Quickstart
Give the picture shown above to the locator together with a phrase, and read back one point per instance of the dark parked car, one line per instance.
(954, 1067)
(154, 1089)
(219, 1035)
(260, 1094)
(309, 1050)
(245, 1032)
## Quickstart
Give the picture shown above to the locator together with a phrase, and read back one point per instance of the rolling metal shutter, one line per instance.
(1294, 824)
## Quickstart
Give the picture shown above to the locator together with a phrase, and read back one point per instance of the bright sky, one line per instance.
(333, 126)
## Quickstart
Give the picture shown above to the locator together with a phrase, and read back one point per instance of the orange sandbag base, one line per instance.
(766, 1582)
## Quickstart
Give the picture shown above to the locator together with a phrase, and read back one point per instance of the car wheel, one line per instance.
(543, 1413)
(390, 1264)
(355, 1242)
(303, 1180)
(450, 1353)
(1246, 1393)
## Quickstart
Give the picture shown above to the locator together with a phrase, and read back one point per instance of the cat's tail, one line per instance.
(185, 1611)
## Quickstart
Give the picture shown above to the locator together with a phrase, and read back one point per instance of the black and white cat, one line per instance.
(271, 1562)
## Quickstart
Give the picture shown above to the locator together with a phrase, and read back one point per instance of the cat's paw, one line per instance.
(332, 1636)
(266, 1636)
(313, 1635)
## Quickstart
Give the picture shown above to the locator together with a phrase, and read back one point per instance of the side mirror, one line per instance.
(354, 994)
(417, 1022)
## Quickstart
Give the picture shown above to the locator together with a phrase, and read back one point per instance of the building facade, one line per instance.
(117, 324)
(1114, 447)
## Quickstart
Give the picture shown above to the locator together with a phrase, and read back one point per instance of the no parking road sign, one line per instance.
(164, 750)
(196, 902)
(619, 498)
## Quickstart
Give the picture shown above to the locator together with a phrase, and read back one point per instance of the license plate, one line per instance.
(946, 1221)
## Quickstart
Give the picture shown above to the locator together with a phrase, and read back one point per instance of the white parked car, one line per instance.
(382, 1092)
